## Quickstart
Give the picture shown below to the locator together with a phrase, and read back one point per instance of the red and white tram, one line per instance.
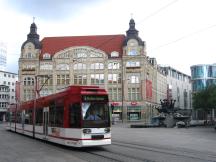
(78, 117)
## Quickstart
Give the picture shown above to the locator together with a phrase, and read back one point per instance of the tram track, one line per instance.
(94, 154)
(117, 156)
(90, 154)
(108, 154)
(177, 152)
(123, 151)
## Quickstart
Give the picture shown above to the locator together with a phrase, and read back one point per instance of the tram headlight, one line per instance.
(87, 131)
(107, 130)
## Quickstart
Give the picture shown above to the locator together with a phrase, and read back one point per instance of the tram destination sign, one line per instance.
(94, 98)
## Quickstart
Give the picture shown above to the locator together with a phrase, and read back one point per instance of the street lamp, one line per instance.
(37, 93)
(122, 68)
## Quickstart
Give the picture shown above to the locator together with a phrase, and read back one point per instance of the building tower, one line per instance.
(29, 62)
(139, 77)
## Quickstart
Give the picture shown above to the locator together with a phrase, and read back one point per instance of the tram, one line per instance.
(78, 117)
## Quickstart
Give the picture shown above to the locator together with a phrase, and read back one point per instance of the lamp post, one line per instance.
(122, 98)
(37, 93)
(17, 98)
(122, 68)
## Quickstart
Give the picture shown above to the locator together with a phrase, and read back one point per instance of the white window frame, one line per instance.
(46, 56)
(114, 65)
(133, 64)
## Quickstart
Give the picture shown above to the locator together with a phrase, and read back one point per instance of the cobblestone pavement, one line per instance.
(197, 138)
(196, 144)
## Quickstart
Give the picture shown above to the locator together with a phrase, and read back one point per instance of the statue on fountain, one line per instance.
(169, 115)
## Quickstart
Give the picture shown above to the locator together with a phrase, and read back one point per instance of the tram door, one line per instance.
(23, 116)
(45, 120)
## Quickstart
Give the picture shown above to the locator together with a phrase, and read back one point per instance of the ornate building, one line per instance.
(116, 62)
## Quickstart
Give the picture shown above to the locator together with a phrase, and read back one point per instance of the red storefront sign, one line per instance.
(148, 88)
(133, 103)
(115, 103)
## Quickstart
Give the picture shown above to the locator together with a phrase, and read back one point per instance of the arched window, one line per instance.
(29, 55)
(28, 81)
(46, 56)
(114, 54)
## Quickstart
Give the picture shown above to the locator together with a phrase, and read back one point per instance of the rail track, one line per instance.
(120, 151)
(127, 152)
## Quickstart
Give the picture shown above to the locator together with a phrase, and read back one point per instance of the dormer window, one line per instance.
(132, 52)
(114, 54)
(29, 47)
(46, 56)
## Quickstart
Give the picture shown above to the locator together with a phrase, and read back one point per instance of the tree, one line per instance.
(212, 98)
(205, 99)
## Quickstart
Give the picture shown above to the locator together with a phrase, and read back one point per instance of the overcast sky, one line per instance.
(178, 33)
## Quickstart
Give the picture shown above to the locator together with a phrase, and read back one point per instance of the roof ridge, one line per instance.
(106, 43)
(85, 36)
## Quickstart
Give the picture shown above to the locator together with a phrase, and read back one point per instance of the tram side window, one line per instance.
(28, 117)
(39, 116)
(19, 117)
(75, 116)
(56, 114)
(59, 116)
(7, 117)
(13, 117)
(52, 115)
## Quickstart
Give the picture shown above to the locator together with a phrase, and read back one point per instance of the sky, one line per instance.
(178, 33)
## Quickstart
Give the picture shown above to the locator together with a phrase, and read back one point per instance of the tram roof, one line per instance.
(82, 90)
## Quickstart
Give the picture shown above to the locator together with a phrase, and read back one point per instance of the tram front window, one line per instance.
(95, 115)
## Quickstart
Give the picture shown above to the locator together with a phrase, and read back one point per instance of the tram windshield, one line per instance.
(95, 114)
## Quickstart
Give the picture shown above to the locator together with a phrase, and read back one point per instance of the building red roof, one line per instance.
(106, 43)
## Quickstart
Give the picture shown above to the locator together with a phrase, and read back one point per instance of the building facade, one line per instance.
(7, 91)
(179, 88)
(4, 101)
(161, 85)
(118, 63)
(202, 76)
(3, 56)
